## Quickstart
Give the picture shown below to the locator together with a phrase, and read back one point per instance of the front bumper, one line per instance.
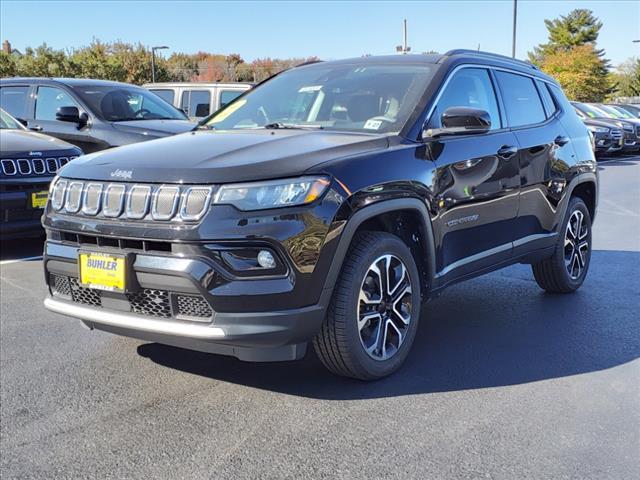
(18, 217)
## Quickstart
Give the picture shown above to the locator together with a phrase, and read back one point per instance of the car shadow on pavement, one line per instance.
(493, 331)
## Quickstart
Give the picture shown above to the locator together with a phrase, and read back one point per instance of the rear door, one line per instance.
(16, 100)
(476, 182)
(545, 155)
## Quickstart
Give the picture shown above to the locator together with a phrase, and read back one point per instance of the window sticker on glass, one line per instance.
(310, 88)
(373, 124)
(227, 111)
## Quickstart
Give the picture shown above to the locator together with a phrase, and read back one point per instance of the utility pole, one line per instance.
(153, 61)
(515, 16)
(404, 48)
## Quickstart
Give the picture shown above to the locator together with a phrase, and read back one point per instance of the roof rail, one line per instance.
(478, 53)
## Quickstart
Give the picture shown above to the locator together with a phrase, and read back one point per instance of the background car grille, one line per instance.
(616, 134)
(148, 302)
(133, 201)
(33, 166)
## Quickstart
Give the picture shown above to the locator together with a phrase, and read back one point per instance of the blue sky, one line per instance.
(298, 29)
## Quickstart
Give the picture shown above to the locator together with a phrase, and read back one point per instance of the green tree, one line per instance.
(577, 28)
(43, 62)
(8, 65)
(181, 67)
(97, 61)
(627, 79)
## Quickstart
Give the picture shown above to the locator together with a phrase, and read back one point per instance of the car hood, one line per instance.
(21, 142)
(223, 157)
(600, 123)
(154, 128)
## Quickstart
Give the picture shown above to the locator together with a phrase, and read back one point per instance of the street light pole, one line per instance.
(515, 16)
(153, 61)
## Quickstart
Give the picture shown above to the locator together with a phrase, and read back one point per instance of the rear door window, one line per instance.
(166, 94)
(48, 101)
(13, 100)
(522, 102)
(196, 103)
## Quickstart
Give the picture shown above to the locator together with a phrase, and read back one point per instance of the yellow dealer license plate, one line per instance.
(102, 271)
(39, 199)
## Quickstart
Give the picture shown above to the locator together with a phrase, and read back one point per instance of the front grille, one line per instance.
(33, 166)
(148, 302)
(616, 134)
(638, 131)
(151, 302)
(86, 296)
(136, 202)
(193, 306)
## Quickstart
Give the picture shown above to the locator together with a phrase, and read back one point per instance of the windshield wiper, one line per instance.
(291, 126)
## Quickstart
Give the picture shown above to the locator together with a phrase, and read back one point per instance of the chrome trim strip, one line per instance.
(94, 211)
(133, 322)
(154, 206)
(63, 251)
(55, 162)
(473, 258)
(205, 206)
(107, 212)
(10, 162)
(147, 200)
(533, 238)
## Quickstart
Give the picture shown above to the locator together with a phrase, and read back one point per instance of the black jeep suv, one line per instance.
(327, 205)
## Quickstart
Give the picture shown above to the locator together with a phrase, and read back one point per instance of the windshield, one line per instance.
(618, 111)
(592, 111)
(9, 123)
(118, 104)
(373, 99)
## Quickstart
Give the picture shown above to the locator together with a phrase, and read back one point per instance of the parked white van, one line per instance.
(198, 100)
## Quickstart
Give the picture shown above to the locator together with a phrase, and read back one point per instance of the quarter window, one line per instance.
(227, 96)
(469, 87)
(49, 100)
(165, 94)
(521, 99)
(549, 104)
(196, 102)
(13, 100)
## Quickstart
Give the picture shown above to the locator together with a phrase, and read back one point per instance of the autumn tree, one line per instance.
(627, 79)
(578, 70)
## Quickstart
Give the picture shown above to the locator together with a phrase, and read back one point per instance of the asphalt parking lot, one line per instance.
(504, 381)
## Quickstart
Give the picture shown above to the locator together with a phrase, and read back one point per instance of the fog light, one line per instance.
(266, 260)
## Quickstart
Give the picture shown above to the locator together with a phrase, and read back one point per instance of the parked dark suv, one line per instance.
(327, 205)
(92, 114)
(28, 162)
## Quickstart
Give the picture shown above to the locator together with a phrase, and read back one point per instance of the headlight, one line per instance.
(598, 129)
(272, 194)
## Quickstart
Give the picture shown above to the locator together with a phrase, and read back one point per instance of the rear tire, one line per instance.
(373, 315)
(566, 269)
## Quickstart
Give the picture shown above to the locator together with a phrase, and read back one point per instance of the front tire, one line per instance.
(373, 315)
(565, 271)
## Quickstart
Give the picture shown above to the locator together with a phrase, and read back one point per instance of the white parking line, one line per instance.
(17, 260)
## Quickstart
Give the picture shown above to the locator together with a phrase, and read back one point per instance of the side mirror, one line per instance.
(68, 114)
(461, 121)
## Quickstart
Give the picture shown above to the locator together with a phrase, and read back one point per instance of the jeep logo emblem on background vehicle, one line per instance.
(35, 154)
(124, 174)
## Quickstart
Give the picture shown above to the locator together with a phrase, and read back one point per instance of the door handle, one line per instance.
(36, 128)
(561, 140)
(507, 151)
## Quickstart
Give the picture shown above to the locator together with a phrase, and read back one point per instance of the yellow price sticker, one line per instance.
(224, 114)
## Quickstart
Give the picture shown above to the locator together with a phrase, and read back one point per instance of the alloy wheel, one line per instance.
(384, 307)
(576, 245)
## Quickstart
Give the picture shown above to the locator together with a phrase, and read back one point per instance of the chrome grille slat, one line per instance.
(136, 202)
(113, 200)
(9, 167)
(24, 166)
(39, 167)
(52, 165)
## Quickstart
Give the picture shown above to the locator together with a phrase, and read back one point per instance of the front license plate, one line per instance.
(39, 199)
(102, 271)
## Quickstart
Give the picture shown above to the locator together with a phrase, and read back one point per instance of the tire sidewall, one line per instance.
(380, 368)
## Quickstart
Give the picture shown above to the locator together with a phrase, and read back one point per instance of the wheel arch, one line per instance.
(389, 215)
(586, 188)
